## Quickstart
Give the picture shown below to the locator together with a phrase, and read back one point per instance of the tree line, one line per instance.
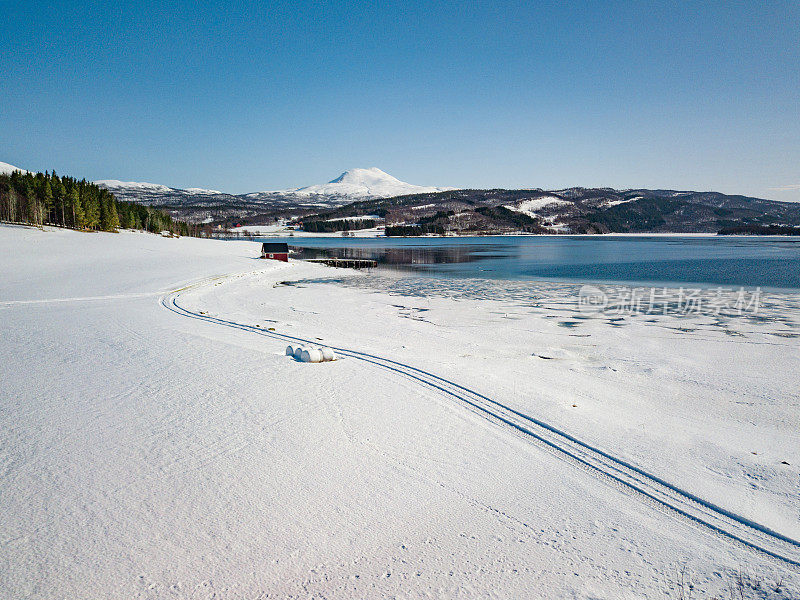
(759, 230)
(49, 199)
(338, 225)
(414, 230)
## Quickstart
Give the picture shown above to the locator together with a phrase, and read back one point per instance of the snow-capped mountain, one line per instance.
(363, 184)
(7, 169)
(198, 204)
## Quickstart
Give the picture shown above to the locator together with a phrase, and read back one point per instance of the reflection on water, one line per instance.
(397, 257)
(709, 261)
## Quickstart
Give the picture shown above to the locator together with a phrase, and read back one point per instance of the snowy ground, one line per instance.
(145, 454)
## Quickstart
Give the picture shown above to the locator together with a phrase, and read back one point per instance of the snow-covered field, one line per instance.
(155, 442)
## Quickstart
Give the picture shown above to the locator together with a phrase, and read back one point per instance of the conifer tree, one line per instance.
(91, 210)
(74, 199)
(47, 200)
(59, 199)
(31, 203)
(109, 220)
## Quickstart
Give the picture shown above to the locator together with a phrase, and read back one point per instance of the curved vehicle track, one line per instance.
(629, 478)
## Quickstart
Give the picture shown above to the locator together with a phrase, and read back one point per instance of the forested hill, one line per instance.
(50, 199)
(573, 210)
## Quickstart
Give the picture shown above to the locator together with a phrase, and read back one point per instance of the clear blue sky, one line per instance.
(242, 96)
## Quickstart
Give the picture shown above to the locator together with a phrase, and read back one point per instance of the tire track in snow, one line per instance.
(629, 478)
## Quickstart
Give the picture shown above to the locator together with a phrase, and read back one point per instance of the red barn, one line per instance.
(275, 251)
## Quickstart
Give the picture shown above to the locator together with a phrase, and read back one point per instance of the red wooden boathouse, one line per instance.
(275, 251)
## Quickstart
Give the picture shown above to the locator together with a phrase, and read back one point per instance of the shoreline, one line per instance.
(375, 234)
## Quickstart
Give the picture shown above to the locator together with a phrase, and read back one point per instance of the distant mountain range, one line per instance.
(196, 204)
(572, 210)
(351, 185)
(420, 209)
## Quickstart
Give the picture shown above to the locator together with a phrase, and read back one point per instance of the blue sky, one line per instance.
(242, 96)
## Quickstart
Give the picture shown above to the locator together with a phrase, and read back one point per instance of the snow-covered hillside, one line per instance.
(7, 169)
(530, 206)
(115, 184)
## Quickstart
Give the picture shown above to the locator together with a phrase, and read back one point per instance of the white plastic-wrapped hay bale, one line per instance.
(311, 355)
(289, 351)
(298, 352)
(327, 353)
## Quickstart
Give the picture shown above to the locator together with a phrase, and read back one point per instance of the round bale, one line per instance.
(289, 351)
(327, 354)
(298, 351)
(311, 355)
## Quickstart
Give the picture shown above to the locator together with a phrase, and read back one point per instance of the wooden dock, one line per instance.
(346, 263)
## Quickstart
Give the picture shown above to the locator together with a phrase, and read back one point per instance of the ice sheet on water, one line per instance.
(723, 302)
